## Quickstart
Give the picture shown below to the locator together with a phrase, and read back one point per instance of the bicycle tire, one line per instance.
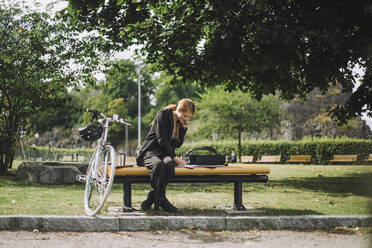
(92, 158)
(98, 181)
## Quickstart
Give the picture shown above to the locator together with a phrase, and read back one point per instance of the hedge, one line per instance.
(321, 150)
(50, 154)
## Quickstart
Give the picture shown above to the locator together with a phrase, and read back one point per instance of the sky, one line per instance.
(60, 4)
(360, 72)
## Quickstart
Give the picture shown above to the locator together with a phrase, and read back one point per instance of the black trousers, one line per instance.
(161, 169)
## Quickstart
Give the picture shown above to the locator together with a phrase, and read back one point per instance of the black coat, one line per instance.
(159, 136)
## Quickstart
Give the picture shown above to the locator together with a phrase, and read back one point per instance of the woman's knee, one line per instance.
(169, 166)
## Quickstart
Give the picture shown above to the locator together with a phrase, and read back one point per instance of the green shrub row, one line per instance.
(321, 150)
(46, 153)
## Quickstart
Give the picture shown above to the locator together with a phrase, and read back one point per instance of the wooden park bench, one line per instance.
(246, 159)
(299, 159)
(344, 158)
(81, 158)
(66, 159)
(130, 160)
(369, 159)
(236, 174)
(269, 159)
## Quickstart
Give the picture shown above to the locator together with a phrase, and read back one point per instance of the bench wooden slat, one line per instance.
(195, 178)
(225, 170)
(81, 159)
(66, 158)
(369, 159)
(246, 159)
(269, 159)
(130, 160)
(344, 158)
(299, 159)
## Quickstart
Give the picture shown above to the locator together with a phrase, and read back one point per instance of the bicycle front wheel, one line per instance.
(99, 179)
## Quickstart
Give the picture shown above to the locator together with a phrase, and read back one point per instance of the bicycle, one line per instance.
(101, 169)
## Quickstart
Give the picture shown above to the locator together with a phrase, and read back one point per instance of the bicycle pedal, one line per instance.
(80, 178)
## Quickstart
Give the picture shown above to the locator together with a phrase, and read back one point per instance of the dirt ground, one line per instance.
(187, 238)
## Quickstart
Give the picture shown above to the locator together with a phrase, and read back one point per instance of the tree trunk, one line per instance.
(271, 133)
(7, 146)
(3, 168)
(6, 161)
(3, 160)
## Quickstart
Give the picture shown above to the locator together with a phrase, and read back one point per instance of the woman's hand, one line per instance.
(184, 118)
(179, 161)
(185, 124)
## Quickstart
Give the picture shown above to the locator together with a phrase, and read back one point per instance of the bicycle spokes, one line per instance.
(98, 182)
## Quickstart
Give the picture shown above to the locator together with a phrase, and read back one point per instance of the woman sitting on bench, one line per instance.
(157, 152)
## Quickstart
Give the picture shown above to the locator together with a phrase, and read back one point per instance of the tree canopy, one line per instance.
(293, 46)
(37, 66)
(118, 93)
(167, 93)
(236, 112)
(122, 82)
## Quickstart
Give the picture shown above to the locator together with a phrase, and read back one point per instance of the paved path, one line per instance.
(185, 239)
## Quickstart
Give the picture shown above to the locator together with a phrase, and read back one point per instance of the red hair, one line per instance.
(183, 105)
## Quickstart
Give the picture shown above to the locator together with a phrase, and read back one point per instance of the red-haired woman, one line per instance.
(157, 152)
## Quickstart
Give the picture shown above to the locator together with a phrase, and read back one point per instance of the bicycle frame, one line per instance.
(100, 147)
(102, 160)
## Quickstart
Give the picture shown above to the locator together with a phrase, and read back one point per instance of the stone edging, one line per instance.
(146, 223)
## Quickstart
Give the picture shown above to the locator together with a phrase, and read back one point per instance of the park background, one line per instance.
(115, 91)
(60, 78)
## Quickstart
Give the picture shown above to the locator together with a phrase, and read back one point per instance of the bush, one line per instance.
(321, 150)
(50, 154)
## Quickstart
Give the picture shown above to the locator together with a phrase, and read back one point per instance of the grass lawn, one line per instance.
(291, 190)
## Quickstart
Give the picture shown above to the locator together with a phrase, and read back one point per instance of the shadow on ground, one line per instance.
(220, 212)
(188, 212)
(357, 184)
(275, 211)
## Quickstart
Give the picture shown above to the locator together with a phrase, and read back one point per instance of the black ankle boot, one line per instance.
(167, 206)
(158, 199)
(146, 204)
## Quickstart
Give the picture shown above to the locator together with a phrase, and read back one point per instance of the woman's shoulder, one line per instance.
(164, 115)
(165, 112)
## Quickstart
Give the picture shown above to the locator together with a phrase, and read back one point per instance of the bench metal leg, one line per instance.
(127, 198)
(238, 191)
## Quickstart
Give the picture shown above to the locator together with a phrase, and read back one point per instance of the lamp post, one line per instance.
(138, 70)
(126, 139)
(22, 134)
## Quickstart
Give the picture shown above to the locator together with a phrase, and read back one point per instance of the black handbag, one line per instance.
(209, 159)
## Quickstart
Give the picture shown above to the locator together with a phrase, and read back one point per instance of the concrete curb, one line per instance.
(146, 223)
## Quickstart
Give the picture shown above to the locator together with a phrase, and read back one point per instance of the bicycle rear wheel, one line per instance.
(99, 179)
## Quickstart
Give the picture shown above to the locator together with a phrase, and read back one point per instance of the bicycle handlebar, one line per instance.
(121, 120)
(93, 111)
